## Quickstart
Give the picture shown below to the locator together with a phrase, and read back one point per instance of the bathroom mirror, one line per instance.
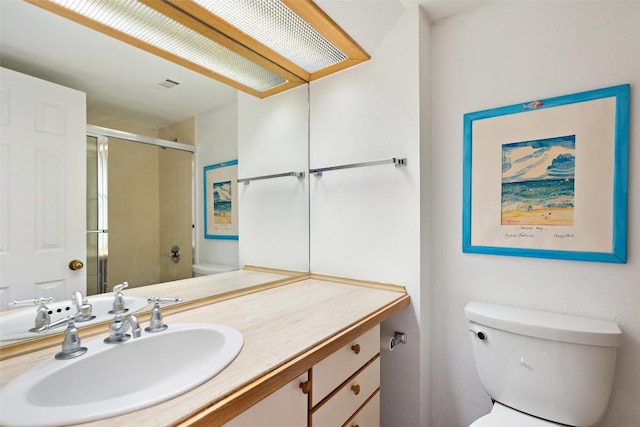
(25, 27)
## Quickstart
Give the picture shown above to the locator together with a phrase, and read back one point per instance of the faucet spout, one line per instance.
(76, 298)
(136, 331)
(120, 326)
(82, 306)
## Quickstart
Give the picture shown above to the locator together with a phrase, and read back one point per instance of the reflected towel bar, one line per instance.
(278, 175)
(396, 161)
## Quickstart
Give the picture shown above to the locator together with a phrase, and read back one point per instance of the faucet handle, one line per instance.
(156, 323)
(62, 321)
(121, 286)
(119, 304)
(42, 313)
(158, 300)
(71, 345)
(32, 301)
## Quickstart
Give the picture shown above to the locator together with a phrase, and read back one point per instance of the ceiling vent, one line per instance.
(167, 84)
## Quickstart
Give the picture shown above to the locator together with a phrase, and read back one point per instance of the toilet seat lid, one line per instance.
(503, 416)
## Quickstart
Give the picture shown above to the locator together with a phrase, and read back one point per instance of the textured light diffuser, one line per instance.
(146, 24)
(273, 24)
(261, 47)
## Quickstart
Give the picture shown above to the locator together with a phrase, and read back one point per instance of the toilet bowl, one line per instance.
(542, 369)
(207, 269)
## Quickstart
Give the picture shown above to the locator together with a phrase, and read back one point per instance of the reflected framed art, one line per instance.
(221, 201)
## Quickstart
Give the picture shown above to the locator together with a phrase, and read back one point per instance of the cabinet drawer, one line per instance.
(286, 407)
(345, 402)
(329, 373)
(369, 416)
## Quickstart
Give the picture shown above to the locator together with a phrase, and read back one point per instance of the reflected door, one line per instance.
(42, 196)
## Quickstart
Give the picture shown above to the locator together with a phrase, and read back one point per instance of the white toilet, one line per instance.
(542, 369)
(206, 269)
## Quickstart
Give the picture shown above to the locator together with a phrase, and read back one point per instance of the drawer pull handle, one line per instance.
(355, 425)
(356, 348)
(356, 389)
(305, 387)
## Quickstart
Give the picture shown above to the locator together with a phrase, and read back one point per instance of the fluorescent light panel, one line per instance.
(149, 26)
(262, 47)
(274, 24)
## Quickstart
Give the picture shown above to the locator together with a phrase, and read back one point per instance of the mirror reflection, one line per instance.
(150, 200)
(139, 213)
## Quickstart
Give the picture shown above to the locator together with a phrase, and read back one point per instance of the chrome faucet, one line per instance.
(156, 324)
(42, 313)
(119, 327)
(119, 306)
(82, 306)
(71, 345)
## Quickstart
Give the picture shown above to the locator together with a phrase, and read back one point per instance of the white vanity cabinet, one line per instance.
(287, 407)
(346, 384)
(340, 390)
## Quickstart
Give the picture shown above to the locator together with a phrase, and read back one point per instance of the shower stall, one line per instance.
(140, 195)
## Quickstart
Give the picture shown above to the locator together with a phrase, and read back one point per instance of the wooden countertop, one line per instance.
(286, 329)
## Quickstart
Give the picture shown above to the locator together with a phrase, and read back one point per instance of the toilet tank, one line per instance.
(206, 269)
(553, 366)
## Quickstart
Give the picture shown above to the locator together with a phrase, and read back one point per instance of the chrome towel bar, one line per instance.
(396, 161)
(277, 175)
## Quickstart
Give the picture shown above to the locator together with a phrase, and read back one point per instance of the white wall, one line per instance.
(500, 55)
(217, 141)
(365, 222)
(274, 213)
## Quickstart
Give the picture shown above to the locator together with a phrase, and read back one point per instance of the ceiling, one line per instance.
(122, 82)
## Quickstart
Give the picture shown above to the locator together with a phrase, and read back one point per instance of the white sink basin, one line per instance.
(114, 379)
(15, 324)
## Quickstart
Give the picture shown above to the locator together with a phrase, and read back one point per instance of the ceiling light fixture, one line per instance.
(261, 47)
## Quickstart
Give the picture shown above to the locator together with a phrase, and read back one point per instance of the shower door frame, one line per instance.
(102, 136)
(102, 226)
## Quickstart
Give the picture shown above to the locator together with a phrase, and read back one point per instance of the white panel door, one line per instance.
(42, 188)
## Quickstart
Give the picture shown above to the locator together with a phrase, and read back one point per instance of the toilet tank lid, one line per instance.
(541, 324)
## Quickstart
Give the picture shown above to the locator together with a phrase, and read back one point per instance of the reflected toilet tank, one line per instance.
(556, 367)
(206, 269)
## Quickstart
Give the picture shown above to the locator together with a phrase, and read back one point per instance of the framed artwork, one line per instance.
(221, 201)
(548, 178)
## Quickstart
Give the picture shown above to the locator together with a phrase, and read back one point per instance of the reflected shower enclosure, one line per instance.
(139, 205)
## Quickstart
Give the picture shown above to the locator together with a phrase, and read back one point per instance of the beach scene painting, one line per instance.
(538, 182)
(222, 203)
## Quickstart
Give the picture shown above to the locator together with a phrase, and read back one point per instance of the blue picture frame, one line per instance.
(220, 183)
(548, 178)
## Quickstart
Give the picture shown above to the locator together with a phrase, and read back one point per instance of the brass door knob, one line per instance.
(75, 264)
